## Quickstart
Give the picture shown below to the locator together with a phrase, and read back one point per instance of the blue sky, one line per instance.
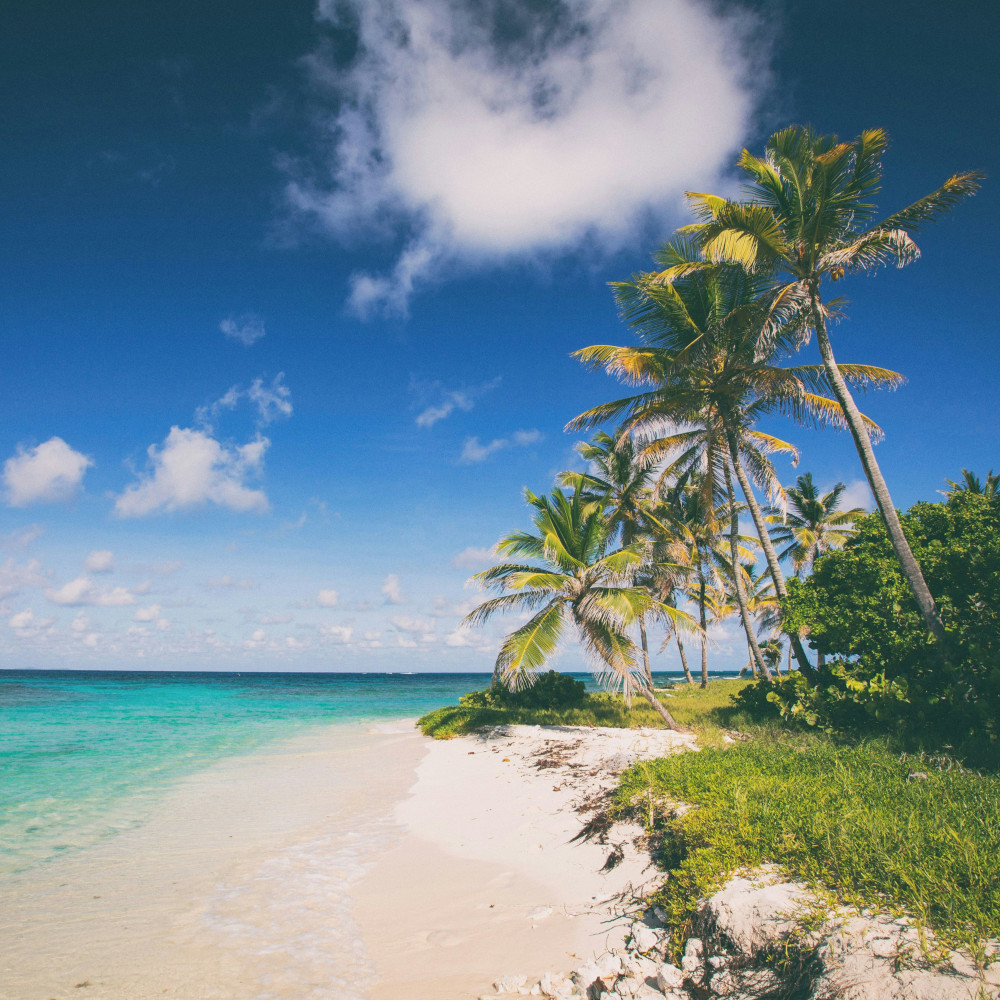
(287, 293)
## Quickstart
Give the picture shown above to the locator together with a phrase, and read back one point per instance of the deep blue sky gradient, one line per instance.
(141, 204)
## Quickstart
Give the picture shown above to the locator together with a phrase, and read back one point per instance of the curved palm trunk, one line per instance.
(741, 596)
(770, 555)
(907, 561)
(659, 708)
(645, 653)
(684, 659)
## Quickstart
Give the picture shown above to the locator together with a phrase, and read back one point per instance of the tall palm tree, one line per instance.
(712, 339)
(810, 218)
(811, 524)
(581, 583)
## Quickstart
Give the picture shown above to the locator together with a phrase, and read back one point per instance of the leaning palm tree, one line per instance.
(582, 583)
(712, 338)
(811, 524)
(810, 218)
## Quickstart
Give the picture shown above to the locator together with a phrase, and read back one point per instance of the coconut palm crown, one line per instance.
(581, 584)
(812, 524)
(811, 217)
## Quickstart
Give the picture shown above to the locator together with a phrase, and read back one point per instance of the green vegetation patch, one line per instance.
(877, 828)
(479, 710)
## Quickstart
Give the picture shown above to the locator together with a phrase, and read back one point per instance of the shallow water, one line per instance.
(85, 754)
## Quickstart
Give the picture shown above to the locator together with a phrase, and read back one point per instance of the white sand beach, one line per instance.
(349, 863)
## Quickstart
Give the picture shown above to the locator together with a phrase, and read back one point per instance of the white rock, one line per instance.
(669, 977)
(717, 962)
(644, 938)
(540, 913)
(509, 984)
(694, 948)
(610, 966)
(586, 975)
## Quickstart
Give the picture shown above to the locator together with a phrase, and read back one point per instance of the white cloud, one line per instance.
(99, 561)
(473, 451)
(459, 637)
(147, 614)
(26, 626)
(83, 591)
(337, 633)
(415, 626)
(191, 469)
(495, 130)
(272, 401)
(51, 472)
(22, 538)
(390, 590)
(81, 623)
(450, 400)
(246, 329)
(327, 598)
(857, 494)
(228, 582)
(474, 558)
(16, 576)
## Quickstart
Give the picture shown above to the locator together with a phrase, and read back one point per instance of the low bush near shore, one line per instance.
(876, 827)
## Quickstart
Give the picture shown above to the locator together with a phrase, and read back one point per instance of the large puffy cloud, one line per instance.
(502, 128)
(50, 472)
(192, 468)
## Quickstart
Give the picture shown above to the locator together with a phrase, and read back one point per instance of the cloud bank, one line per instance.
(505, 128)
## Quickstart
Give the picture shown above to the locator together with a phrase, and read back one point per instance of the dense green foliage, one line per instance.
(553, 700)
(889, 673)
(874, 827)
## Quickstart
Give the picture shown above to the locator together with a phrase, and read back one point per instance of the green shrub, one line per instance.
(550, 690)
(886, 672)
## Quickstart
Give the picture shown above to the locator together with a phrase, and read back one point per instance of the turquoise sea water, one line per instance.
(84, 754)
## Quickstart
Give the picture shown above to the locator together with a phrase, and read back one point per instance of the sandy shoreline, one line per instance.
(349, 863)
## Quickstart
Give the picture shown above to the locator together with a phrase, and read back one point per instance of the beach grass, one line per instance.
(874, 827)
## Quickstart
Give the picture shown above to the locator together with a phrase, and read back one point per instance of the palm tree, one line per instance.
(971, 483)
(708, 367)
(810, 218)
(812, 524)
(622, 481)
(580, 584)
(689, 527)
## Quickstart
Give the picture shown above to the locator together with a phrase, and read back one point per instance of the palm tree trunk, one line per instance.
(741, 596)
(907, 561)
(659, 708)
(704, 627)
(645, 653)
(770, 555)
(684, 659)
